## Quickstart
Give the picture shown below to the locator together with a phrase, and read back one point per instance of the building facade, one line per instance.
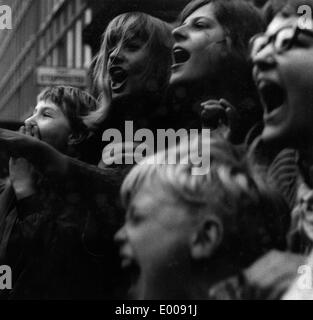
(54, 41)
(45, 33)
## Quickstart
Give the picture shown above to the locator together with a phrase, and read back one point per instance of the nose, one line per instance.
(116, 56)
(31, 121)
(121, 236)
(265, 58)
(180, 33)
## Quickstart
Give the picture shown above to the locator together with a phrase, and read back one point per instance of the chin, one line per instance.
(271, 134)
(178, 79)
(128, 92)
(173, 80)
(179, 75)
(279, 137)
(117, 96)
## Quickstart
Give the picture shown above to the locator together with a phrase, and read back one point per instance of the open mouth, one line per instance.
(272, 95)
(118, 77)
(131, 267)
(180, 55)
(132, 272)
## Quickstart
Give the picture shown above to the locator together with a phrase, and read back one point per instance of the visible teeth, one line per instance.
(181, 55)
(118, 74)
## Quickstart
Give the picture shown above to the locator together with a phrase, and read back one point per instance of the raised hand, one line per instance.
(220, 116)
(21, 171)
(18, 144)
(22, 177)
(40, 154)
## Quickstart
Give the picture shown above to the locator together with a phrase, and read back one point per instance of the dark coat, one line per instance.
(59, 243)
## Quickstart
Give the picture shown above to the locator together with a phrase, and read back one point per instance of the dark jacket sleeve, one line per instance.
(100, 191)
(87, 199)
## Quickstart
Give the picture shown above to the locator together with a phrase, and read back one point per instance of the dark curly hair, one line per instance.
(240, 19)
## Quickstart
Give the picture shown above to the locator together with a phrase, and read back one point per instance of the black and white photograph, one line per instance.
(156, 150)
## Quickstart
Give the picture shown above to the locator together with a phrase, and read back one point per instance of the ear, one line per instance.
(75, 138)
(229, 42)
(207, 238)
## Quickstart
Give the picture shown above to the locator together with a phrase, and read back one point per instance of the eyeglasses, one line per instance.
(282, 41)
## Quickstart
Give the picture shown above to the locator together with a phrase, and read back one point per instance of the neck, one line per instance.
(193, 285)
(197, 92)
(140, 109)
(194, 288)
(306, 163)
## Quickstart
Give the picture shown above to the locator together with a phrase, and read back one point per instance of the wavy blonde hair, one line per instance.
(155, 33)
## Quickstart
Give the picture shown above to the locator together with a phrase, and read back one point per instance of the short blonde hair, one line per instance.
(83, 113)
(76, 104)
(254, 218)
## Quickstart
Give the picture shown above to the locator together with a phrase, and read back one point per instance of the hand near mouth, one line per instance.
(30, 130)
(40, 154)
(23, 175)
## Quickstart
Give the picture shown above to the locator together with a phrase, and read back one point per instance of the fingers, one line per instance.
(30, 130)
(232, 115)
(15, 143)
(229, 108)
(6, 136)
(213, 114)
(226, 104)
(209, 102)
(36, 132)
(12, 163)
(212, 107)
(22, 130)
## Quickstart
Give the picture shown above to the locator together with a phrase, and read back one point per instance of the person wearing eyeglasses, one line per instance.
(283, 73)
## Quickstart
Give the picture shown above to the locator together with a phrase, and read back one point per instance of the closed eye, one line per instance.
(200, 25)
(286, 43)
(134, 217)
(303, 41)
(133, 45)
(48, 113)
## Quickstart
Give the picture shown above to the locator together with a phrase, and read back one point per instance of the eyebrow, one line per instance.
(44, 109)
(201, 17)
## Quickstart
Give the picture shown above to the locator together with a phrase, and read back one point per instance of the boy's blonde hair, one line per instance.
(254, 218)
